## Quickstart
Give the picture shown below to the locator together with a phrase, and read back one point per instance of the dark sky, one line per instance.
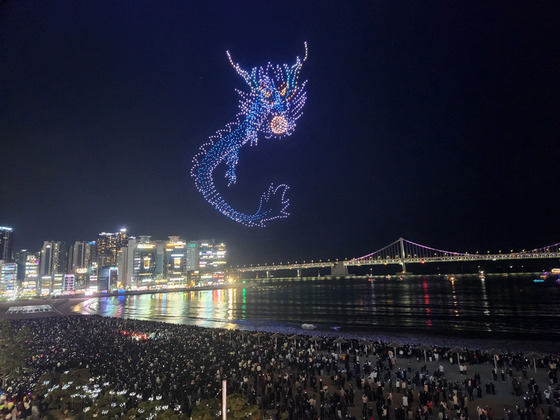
(435, 121)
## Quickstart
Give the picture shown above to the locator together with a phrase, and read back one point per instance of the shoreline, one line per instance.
(63, 306)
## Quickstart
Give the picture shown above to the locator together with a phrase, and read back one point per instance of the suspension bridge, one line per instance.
(402, 252)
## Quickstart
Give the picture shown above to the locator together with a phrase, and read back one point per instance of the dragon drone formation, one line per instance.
(271, 107)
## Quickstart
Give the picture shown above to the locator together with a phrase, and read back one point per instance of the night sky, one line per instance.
(436, 122)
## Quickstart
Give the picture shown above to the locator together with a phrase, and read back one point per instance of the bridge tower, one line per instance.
(403, 255)
(339, 269)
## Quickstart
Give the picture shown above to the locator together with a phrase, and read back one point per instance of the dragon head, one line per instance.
(277, 91)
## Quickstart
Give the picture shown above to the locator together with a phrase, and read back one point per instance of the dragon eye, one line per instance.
(283, 89)
(265, 91)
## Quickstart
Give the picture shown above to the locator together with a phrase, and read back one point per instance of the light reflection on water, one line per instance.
(491, 307)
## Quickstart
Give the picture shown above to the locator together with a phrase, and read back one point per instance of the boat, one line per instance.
(308, 326)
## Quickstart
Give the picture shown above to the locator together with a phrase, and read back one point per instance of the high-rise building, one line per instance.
(144, 268)
(211, 256)
(31, 277)
(192, 256)
(20, 259)
(211, 261)
(80, 257)
(77, 256)
(48, 285)
(160, 264)
(53, 258)
(57, 285)
(108, 247)
(90, 254)
(69, 283)
(6, 244)
(108, 278)
(80, 278)
(126, 265)
(92, 277)
(8, 278)
(175, 267)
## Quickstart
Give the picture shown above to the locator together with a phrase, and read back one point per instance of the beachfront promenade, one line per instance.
(302, 376)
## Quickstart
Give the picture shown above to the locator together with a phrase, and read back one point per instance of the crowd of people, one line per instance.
(306, 377)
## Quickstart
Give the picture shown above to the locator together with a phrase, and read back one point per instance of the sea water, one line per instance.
(512, 312)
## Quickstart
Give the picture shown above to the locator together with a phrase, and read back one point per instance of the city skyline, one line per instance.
(113, 261)
(437, 123)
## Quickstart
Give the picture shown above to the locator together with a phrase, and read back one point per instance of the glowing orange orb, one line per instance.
(279, 125)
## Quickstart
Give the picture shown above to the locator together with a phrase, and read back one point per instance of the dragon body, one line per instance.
(270, 109)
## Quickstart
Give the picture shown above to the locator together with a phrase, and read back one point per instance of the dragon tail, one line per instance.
(273, 203)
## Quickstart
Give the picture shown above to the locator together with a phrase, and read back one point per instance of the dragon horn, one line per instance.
(239, 70)
(297, 66)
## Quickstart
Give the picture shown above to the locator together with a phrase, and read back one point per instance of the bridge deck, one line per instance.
(402, 252)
